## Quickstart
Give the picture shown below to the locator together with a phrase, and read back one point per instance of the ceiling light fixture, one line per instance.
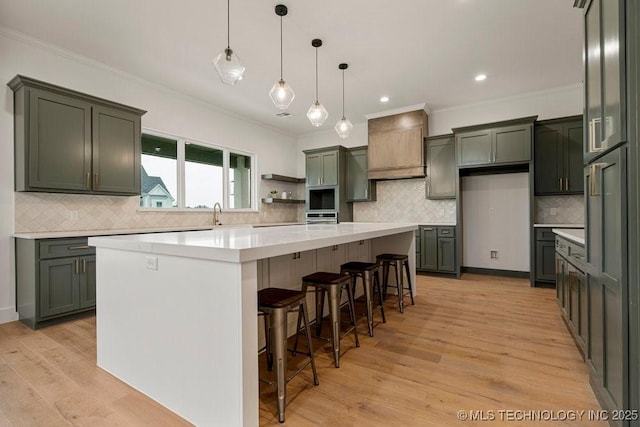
(281, 93)
(227, 63)
(481, 77)
(344, 125)
(317, 114)
(384, 99)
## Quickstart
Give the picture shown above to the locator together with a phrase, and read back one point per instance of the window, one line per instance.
(181, 173)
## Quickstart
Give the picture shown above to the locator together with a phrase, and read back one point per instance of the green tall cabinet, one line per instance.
(441, 173)
(359, 187)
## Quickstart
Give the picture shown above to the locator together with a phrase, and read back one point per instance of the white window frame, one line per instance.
(180, 178)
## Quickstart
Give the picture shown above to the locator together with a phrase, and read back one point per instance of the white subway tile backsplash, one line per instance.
(404, 201)
(38, 212)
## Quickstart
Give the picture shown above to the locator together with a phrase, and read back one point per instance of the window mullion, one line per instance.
(181, 173)
(226, 201)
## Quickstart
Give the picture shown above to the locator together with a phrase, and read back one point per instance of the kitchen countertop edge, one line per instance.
(575, 235)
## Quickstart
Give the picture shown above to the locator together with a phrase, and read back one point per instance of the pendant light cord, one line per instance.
(342, 94)
(316, 75)
(280, 47)
(228, 25)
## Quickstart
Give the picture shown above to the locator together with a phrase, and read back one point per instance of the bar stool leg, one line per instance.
(367, 284)
(319, 309)
(376, 284)
(352, 313)
(334, 313)
(309, 343)
(399, 283)
(406, 269)
(278, 323)
(267, 341)
(385, 278)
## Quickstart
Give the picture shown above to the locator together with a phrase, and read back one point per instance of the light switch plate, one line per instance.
(553, 211)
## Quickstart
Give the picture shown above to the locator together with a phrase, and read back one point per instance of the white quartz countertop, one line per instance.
(558, 225)
(576, 235)
(85, 233)
(248, 244)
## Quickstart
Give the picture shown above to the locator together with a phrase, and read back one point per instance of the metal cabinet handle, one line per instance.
(566, 184)
(365, 193)
(76, 262)
(428, 228)
(560, 183)
(84, 265)
(593, 185)
(361, 242)
(87, 180)
(96, 180)
(74, 248)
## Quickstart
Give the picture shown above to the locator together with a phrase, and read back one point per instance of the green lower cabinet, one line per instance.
(437, 249)
(54, 278)
(59, 286)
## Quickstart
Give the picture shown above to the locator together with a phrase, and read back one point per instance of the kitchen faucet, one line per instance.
(216, 210)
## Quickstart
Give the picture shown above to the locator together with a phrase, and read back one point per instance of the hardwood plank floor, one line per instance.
(481, 343)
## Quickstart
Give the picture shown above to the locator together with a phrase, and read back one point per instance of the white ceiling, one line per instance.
(414, 51)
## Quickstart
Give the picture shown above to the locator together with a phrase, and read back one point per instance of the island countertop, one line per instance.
(249, 244)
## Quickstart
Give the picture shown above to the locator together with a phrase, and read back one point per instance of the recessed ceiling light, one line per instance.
(384, 99)
(481, 77)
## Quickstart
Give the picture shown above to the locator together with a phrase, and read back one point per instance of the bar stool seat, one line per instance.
(368, 272)
(397, 261)
(275, 304)
(331, 284)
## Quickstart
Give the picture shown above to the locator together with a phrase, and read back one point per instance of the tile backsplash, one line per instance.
(39, 212)
(404, 200)
(568, 209)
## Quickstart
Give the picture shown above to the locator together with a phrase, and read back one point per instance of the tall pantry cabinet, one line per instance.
(611, 58)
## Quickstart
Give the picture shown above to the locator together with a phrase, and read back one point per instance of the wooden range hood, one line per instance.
(396, 145)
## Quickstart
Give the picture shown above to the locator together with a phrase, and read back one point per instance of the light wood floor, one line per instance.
(481, 343)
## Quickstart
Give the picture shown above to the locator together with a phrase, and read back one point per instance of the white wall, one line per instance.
(167, 111)
(496, 218)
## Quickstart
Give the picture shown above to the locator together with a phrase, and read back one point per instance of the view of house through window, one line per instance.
(177, 173)
(159, 175)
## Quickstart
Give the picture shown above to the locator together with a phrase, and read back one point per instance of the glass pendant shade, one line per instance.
(228, 66)
(343, 127)
(282, 95)
(317, 114)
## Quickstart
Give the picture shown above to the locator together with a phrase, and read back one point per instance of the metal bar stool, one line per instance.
(331, 284)
(397, 261)
(368, 272)
(276, 303)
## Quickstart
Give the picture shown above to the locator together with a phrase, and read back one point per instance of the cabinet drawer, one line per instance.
(446, 231)
(545, 235)
(575, 252)
(56, 248)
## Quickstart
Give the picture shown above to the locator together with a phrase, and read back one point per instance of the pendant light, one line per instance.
(317, 114)
(281, 93)
(344, 126)
(227, 63)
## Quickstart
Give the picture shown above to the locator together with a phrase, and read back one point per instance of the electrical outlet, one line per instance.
(73, 215)
(494, 254)
(152, 263)
(553, 211)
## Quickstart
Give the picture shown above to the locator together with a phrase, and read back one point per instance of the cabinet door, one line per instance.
(582, 323)
(446, 255)
(116, 151)
(331, 258)
(593, 76)
(357, 178)
(548, 163)
(474, 148)
(59, 142)
(313, 166)
(561, 283)
(545, 261)
(88, 282)
(572, 307)
(441, 169)
(359, 251)
(429, 249)
(281, 271)
(512, 144)
(59, 286)
(573, 159)
(330, 168)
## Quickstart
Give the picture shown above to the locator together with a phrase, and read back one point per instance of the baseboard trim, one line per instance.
(493, 272)
(8, 314)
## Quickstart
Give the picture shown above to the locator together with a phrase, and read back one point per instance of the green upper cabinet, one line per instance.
(70, 142)
(322, 168)
(440, 180)
(499, 143)
(359, 187)
(558, 156)
(604, 48)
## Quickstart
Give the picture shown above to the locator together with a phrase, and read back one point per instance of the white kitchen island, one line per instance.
(176, 312)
